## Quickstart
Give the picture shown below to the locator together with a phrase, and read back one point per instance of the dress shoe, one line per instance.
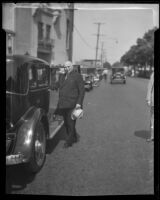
(77, 138)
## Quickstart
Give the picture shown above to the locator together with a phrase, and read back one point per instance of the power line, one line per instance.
(83, 39)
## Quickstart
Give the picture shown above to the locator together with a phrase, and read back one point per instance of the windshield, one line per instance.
(16, 76)
(115, 70)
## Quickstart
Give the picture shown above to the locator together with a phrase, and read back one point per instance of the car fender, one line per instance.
(26, 131)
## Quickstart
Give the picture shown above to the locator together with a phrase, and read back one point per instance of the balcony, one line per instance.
(45, 45)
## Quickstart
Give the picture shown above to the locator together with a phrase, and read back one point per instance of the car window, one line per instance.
(54, 74)
(16, 76)
(32, 76)
(38, 74)
(116, 70)
(42, 75)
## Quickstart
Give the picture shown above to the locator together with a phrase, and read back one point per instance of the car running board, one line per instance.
(54, 127)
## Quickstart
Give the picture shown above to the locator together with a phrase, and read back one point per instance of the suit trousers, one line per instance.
(69, 125)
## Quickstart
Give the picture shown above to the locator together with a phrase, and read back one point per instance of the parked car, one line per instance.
(87, 82)
(96, 80)
(77, 68)
(27, 108)
(118, 75)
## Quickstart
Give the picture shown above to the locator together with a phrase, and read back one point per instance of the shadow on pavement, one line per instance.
(145, 134)
(17, 178)
(51, 144)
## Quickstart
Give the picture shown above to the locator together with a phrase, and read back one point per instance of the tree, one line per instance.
(141, 54)
(107, 65)
(116, 64)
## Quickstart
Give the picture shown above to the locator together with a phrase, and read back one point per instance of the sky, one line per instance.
(121, 25)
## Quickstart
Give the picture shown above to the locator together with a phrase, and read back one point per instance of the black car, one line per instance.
(118, 75)
(88, 84)
(27, 108)
(77, 68)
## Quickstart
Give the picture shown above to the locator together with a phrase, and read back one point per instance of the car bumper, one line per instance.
(87, 86)
(15, 159)
(118, 79)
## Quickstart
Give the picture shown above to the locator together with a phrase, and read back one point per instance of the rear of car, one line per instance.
(87, 82)
(118, 75)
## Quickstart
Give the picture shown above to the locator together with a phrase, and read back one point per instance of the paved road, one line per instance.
(112, 156)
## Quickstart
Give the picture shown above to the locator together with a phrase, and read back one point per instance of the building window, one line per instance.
(9, 44)
(48, 30)
(40, 30)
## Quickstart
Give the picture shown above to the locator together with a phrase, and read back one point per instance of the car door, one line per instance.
(39, 84)
(54, 94)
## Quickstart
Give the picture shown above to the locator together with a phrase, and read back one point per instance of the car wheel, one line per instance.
(124, 82)
(38, 154)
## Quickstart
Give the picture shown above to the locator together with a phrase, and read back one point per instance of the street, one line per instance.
(112, 156)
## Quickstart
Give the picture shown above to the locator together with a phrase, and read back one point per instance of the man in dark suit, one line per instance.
(71, 95)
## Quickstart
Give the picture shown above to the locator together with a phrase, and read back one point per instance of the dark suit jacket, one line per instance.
(71, 90)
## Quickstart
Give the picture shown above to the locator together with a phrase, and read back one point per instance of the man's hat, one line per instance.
(77, 113)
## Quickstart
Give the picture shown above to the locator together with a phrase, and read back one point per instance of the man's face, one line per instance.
(68, 68)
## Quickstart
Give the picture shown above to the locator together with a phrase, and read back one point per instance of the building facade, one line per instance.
(88, 66)
(43, 30)
(8, 23)
(63, 32)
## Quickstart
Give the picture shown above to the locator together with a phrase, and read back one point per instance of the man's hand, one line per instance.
(78, 106)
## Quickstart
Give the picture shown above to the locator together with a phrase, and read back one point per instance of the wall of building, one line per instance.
(8, 25)
(62, 50)
(21, 21)
(90, 63)
(34, 37)
(8, 16)
(25, 39)
(60, 53)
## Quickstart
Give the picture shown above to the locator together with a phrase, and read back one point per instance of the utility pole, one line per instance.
(102, 54)
(98, 35)
(105, 56)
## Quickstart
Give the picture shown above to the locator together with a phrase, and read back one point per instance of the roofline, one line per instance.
(28, 57)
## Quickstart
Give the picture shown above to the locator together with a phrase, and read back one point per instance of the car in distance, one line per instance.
(77, 68)
(87, 82)
(27, 107)
(118, 75)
